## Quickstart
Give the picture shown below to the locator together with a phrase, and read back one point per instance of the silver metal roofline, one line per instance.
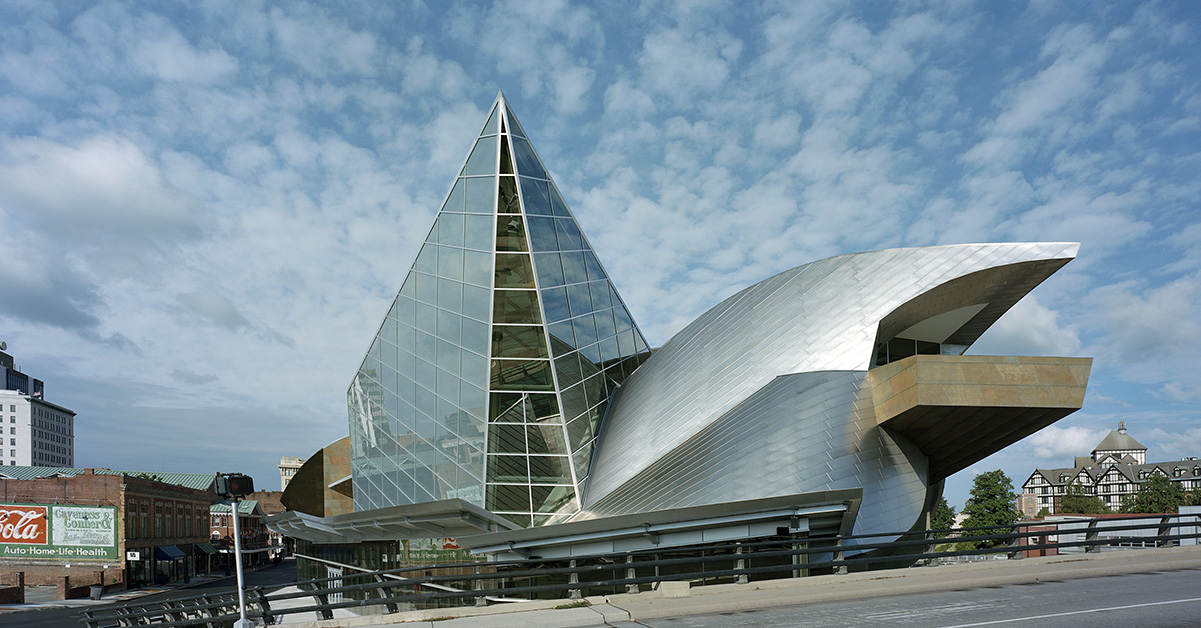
(651, 530)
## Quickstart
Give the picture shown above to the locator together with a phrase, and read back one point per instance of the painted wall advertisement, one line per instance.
(52, 531)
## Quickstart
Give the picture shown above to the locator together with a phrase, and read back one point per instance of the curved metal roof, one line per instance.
(821, 317)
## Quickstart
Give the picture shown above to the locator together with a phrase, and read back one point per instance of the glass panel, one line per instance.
(594, 268)
(573, 267)
(569, 235)
(475, 336)
(580, 298)
(524, 521)
(448, 386)
(521, 375)
(574, 401)
(450, 263)
(510, 234)
(594, 387)
(387, 330)
(625, 342)
(579, 431)
(404, 337)
(518, 342)
(563, 333)
(542, 233)
(483, 157)
(516, 306)
(507, 408)
(509, 497)
(454, 201)
(623, 318)
(610, 353)
(506, 438)
(506, 197)
(474, 368)
(448, 327)
(554, 499)
(477, 268)
(514, 125)
(550, 270)
(550, 469)
(590, 359)
(424, 375)
(426, 402)
(527, 163)
(533, 192)
(427, 259)
(580, 460)
(546, 439)
(567, 367)
(473, 399)
(554, 302)
(513, 270)
(542, 406)
(490, 125)
(585, 330)
(450, 229)
(450, 295)
(427, 318)
(600, 294)
(557, 206)
(404, 310)
(427, 288)
(475, 302)
(480, 194)
(478, 232)
(506, 162)
(604, 324)
(508, 469)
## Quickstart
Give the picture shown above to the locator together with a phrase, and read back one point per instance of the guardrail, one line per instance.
(392, 590)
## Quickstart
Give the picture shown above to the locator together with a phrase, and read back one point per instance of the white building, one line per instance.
(288, 466)
(1116, 469)
(35, 432)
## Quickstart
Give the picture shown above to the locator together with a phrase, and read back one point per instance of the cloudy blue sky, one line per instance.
(205, 208)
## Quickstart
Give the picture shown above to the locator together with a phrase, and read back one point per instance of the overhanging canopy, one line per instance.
(450, 518)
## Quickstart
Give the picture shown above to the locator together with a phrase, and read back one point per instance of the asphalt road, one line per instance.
(274, 575)
(1159, 599)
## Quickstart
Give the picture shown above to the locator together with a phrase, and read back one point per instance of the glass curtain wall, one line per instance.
(489, 376)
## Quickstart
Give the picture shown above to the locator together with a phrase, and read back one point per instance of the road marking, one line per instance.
(1091, 610)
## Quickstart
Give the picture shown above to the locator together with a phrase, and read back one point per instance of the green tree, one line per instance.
(1157, 494)
(1078, 501)
(991, 503)
(943, 517)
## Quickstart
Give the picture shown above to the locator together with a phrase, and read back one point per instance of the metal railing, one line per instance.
(393, 590)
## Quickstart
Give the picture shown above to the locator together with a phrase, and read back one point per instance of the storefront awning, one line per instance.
(168, 552)
(205, 548)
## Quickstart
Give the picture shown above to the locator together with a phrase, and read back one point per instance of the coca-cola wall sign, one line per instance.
(54, 531)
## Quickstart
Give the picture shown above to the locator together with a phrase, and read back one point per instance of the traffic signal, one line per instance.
(234, 485)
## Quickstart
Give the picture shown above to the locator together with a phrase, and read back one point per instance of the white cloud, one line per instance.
(100, 186)
(1058, 445)
(1029, 328)
(171, 58)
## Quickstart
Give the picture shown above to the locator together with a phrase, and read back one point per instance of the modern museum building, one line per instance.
(509, 401)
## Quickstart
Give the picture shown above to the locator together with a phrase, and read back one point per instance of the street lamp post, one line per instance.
(232, 486)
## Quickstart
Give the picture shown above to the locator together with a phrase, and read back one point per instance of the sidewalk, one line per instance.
(44, 597)
(676, 600)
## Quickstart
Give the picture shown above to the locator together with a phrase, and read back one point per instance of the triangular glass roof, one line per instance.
(491, 371)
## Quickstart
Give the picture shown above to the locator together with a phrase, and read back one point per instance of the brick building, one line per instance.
(255, 539)
(133, 528)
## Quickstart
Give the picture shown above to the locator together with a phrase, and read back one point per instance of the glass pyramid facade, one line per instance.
(489, 376)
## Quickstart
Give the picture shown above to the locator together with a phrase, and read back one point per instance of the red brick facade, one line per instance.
(150, 514)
